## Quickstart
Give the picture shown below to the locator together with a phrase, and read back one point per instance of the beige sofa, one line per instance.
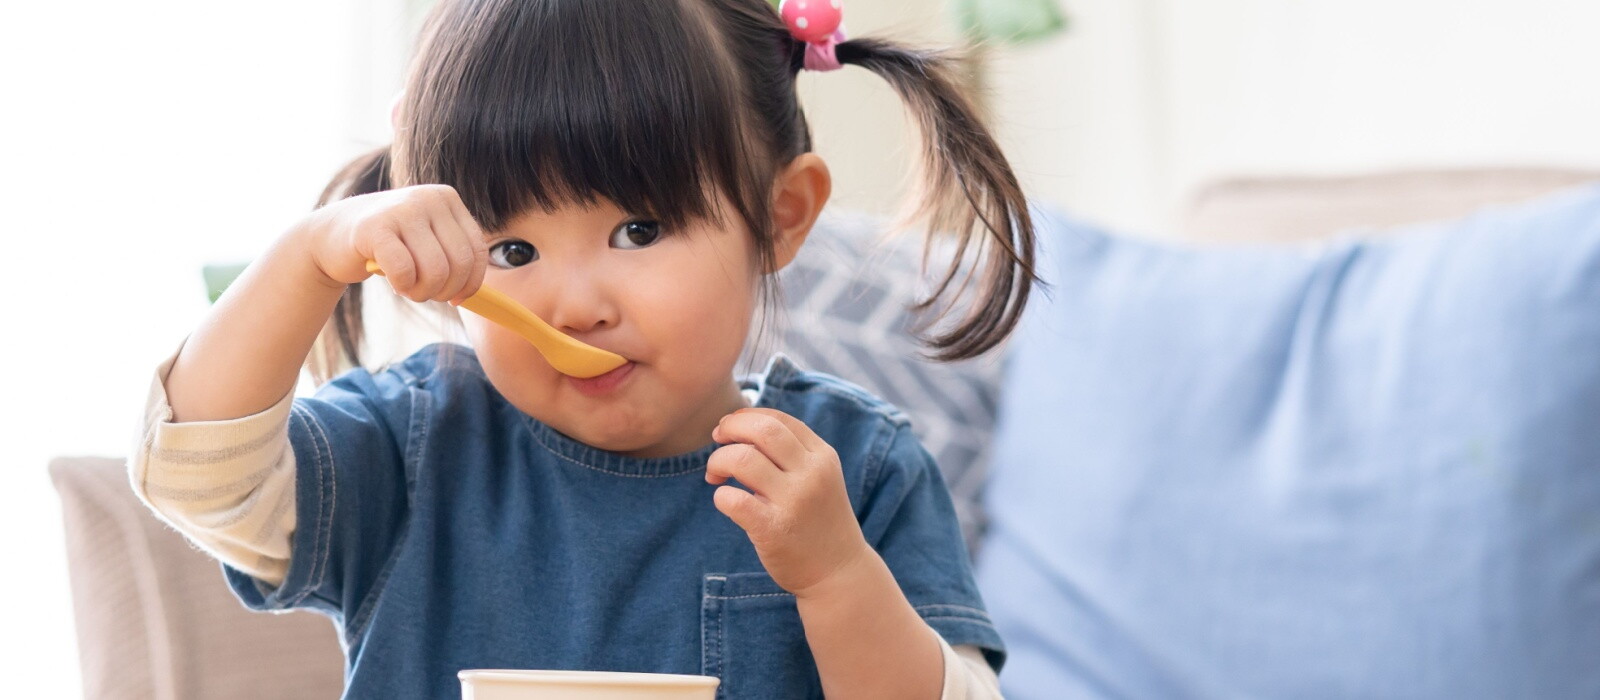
(155, 620)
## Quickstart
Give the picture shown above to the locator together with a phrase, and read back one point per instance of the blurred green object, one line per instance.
(1009, 21)
(218, 277)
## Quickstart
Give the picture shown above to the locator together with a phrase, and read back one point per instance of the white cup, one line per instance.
(487, 684)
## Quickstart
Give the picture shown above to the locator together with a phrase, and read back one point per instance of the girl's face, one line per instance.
(677, 304)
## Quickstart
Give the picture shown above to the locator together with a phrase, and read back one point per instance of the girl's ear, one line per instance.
(394, 111)
(802, 189)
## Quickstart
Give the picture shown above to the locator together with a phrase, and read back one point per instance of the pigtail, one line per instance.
(338, 347)
(966, 184)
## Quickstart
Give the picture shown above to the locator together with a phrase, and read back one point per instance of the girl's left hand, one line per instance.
(796, 511)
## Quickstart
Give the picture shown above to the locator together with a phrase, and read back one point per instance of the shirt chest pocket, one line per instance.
(752, 638)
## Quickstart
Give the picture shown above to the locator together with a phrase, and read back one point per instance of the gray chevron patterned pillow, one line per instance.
(843, 311)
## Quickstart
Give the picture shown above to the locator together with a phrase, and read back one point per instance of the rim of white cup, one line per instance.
(587, 677)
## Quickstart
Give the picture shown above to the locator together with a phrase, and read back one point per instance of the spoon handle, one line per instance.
(566, 354)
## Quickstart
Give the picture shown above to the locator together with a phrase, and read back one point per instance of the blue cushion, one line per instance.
(1365, 469)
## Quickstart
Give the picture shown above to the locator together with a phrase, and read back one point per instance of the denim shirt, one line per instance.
(443, 529)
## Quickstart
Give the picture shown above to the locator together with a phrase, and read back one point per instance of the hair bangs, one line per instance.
(544, 103)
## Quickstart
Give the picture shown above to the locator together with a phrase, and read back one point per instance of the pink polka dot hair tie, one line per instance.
(819, 23)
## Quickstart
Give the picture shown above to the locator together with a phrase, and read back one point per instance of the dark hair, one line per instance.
(662, 106)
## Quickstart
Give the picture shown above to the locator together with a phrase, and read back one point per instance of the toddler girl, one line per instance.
(635, 173)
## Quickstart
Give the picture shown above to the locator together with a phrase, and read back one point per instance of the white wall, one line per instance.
(1144, 99)
(139, 141)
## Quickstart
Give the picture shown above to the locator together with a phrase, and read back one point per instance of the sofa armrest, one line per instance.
(154, 617)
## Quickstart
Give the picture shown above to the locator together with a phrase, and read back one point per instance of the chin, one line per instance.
(609, 433)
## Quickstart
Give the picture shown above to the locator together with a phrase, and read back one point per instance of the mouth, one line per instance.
(603, 384)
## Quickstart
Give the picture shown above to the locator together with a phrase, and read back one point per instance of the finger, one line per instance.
(432, 267)
(773, 437)
(458, 254)
(475, 239)
(803, 432)
(745, 509)
(746, 464)
(462, 242)
(463, 217)
(479, 267)
(395, 260)
(472, 285)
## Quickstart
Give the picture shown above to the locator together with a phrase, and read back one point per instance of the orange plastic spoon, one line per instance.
(566, 354)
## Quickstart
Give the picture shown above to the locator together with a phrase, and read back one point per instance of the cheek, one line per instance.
(701, 318)
(485, 337)
(507, 358)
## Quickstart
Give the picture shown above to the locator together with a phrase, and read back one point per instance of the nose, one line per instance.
(579, 300)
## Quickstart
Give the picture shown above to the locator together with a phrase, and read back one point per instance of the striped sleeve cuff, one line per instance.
(227, 485)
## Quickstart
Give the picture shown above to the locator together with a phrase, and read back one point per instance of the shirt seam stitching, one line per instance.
(945, 606)
(328, 495)
(558, 455)
(952, 618)
(369, 603)
(751, 595)
(872, 472)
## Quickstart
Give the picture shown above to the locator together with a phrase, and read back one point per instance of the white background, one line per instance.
(143, 139)
(1148, 98)
(1143, 100)
(140, 140)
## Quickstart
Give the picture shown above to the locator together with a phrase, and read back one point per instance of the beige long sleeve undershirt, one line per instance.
(229, 487)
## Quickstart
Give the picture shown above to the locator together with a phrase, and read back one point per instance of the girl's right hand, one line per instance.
(422, 237)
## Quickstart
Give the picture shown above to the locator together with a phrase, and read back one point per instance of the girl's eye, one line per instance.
(512, 253)
(635, 235)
